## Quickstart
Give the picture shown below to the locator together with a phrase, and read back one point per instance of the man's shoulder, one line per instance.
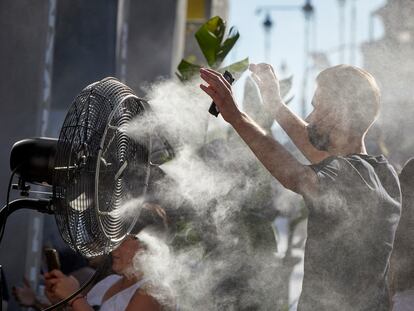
(368, 158)
(329, 167)
(344, 162)
(364, 167)
(377, 165)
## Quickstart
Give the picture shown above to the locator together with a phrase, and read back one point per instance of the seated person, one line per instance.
(72, 264)
(119, 291)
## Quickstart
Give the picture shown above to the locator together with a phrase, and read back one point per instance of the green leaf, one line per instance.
(187, 70)
(209, 37)
(237, 68)
(228, 44)
(217, 26)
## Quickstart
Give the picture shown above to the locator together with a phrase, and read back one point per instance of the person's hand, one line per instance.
(220, 92)
(25, 295)
(59, 286)
(268, 83)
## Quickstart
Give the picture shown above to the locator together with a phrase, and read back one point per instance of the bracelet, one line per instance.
(74, 299)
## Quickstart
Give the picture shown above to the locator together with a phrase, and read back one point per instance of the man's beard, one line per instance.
(318, 140)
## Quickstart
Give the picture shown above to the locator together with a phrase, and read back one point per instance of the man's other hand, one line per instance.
(268, 83)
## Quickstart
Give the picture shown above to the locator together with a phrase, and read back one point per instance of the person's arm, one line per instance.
(279, 162)
(292, 174)
(291, 123)
(141, 301)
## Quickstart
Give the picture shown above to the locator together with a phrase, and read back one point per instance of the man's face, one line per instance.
(122, 256)
(320, 121)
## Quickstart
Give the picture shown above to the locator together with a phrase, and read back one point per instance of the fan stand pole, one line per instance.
(1, 288)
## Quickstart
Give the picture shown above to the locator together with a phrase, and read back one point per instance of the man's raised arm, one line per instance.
(279, 162)
(291, 123)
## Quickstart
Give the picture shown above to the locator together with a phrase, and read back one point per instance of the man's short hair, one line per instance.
(354, 92)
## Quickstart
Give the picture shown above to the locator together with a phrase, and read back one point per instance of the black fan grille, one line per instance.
(98, 168)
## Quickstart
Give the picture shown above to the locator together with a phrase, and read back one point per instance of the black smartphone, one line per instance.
(52, 259)
(213, 108)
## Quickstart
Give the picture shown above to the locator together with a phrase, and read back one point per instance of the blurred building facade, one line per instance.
(49, 51)
(391, 60)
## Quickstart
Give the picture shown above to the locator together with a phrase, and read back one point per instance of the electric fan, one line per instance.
(98, 168)
(94, 168)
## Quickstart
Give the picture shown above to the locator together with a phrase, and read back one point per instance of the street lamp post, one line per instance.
(268, 22)
(341, 30)
(267, 25)
(308, 13)
(353, 32)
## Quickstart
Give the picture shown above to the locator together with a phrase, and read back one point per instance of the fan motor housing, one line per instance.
(33, 159)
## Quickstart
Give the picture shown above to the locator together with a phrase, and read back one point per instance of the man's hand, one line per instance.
(268, 83)
(59, 286)
(220, 91)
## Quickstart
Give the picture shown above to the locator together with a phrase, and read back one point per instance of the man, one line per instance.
(353, 198)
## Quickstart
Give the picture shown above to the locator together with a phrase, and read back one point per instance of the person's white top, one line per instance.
(117, 302)
(403, 301)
